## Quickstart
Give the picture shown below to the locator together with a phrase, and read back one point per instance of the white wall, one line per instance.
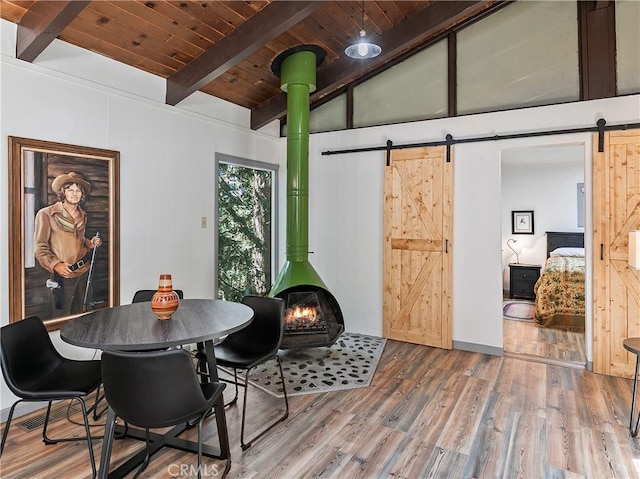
(167, 157)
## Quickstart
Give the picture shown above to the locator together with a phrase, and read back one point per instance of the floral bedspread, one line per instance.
(560, 288)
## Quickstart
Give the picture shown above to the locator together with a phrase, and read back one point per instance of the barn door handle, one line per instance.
(601, 252)
(446, 246)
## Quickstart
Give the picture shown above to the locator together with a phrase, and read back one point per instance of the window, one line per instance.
(415, 89)
(330, 116)
(523, 55)
(627, 41)
(246, 192)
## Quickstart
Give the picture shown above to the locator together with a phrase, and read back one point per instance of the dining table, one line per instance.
(135, 327)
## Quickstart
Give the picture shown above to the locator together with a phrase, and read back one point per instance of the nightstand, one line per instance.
(522, 279)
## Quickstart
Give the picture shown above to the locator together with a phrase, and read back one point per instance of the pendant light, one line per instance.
(362, 49)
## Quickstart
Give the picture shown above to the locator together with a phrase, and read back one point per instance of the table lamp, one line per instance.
(512, 249)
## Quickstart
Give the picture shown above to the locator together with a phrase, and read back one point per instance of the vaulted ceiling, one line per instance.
(226, 48)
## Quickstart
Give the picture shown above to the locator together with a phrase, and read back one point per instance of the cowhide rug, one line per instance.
(349, 363)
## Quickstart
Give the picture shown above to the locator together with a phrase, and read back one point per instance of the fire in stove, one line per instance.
(303, 313)
(312, 317)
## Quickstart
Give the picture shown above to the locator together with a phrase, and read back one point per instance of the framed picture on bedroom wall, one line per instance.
(522, 223)
(63, 230)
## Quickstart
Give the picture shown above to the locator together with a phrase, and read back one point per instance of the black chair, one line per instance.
(156, 389)
(143, 295)
(35, 371)
(253, 346)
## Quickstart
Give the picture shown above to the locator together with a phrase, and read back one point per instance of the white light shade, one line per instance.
(634, 249)
(363, 49)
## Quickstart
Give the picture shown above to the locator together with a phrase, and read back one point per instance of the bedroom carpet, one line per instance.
(518, 310)
(349, 363)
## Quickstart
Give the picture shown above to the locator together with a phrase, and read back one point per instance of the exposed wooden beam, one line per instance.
(452, 76)
(597, 47)
(259, 29)
(42, 24)
(415, 30)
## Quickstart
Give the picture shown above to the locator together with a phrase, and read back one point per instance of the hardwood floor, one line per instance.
(428, 413)
(528, 339)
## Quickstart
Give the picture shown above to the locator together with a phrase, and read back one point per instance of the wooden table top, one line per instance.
(134, 327)
(632, 345)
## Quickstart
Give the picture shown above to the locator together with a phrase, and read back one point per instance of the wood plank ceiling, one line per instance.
(225, 48)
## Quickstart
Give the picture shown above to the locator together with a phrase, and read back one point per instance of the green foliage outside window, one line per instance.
(244, 231)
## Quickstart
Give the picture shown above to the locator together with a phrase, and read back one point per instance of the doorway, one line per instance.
(547, 181)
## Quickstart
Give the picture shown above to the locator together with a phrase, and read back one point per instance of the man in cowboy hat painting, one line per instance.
(61, 246)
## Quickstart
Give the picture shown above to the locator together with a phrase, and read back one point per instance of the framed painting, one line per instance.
(522, 222)
(64, 254)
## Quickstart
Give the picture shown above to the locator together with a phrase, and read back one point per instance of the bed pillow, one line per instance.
(573, 252)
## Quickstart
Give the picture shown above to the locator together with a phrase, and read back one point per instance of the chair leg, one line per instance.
(50, 440)
(247, 445)
(145, 463)
(200, 446)
(97, 415)
(45, 439)
(223, 433)
(85, 416)
(235, 383)
(244, 409)
(6, 427)
(284, 388)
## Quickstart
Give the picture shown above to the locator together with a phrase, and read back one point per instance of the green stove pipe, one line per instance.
(297, 69)
(297, 80)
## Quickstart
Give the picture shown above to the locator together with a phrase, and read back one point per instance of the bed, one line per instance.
(560, 291)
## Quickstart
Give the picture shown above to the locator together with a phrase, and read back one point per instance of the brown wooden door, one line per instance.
(417, 247)
(616, 211)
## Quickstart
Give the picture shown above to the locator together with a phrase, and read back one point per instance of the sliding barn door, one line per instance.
(616, 210)
(417, 247)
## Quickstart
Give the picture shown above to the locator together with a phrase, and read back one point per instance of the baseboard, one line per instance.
(481, 348)
(549, 361)
(478, 348)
